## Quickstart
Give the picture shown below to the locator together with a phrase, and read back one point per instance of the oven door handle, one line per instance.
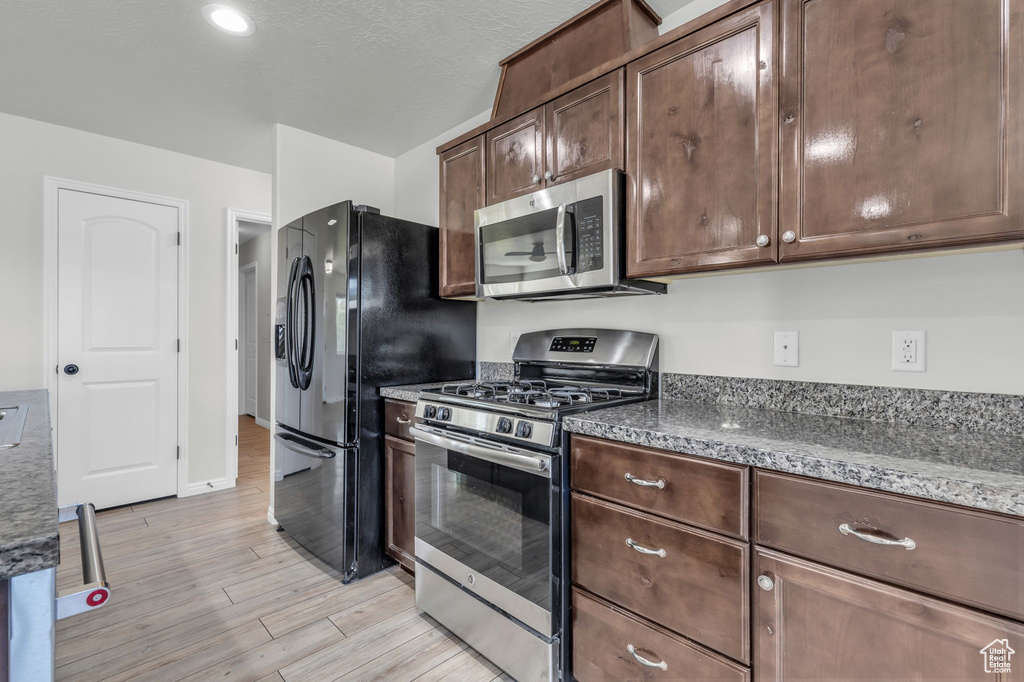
(528, 463)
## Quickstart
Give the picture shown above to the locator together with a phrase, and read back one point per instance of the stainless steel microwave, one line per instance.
(561, 242)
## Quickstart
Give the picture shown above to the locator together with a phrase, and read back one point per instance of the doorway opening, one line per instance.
(249, 325)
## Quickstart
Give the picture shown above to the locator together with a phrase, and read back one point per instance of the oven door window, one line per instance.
(494, 519)
(522, 249)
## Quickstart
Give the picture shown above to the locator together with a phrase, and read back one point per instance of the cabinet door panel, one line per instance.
(703, 149)
(584, 130)
(400, 500)
(515, 157)
(821, 624)
(901, 124)
(462, 192)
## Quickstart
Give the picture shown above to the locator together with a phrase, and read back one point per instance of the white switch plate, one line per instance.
(908, 351)
(787, 349)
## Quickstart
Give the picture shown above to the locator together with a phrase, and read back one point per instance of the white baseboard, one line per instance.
(208, 486)
(263, 422)
(270, 517)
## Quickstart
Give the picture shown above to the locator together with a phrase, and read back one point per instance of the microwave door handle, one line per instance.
(527, 463)
(563, 266)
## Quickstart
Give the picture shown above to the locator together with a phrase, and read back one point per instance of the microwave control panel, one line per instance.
(573, 344)
(589, 234)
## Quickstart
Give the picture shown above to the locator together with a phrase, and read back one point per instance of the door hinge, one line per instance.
(236, 441)
(179, 239)
(179, 345)
(236, 344)
(177, 452)
(236, 248)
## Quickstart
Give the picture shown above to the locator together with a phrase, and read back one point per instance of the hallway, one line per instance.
(204, 588)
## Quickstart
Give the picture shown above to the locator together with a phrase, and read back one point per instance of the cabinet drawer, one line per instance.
(602, 633)
(698, 492)
(964, 555)
(398, 416)
(698, 587)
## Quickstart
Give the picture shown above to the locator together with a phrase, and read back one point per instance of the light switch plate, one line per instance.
(787, 349)
(908, 351)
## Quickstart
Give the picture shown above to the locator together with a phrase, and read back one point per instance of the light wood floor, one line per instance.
(205, 589)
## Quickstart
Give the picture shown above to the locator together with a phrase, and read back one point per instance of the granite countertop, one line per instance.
(411, 393)
(970, 468)
(28, 492)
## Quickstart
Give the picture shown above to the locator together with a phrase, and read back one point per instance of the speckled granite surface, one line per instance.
(497, 371)
(411, 393)
(976, 469)
(953, 409)
(28, 492)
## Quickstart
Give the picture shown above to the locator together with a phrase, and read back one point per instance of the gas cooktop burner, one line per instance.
(536, 393)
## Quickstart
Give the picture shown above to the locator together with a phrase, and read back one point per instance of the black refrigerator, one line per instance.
(357, 309)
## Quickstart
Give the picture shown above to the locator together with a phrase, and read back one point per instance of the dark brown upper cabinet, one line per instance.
(901, 125)
(462, 192)
(578, 134)
(702, 132)
(817, 623)
(515, 157)
(584, 130)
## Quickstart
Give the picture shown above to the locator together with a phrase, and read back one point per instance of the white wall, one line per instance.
(31, 149)
(972, 307)
(311, 172)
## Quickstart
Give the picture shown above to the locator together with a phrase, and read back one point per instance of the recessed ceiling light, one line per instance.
(229, 20)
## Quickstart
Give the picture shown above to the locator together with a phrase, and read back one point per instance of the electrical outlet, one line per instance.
(908, 351)
(787, 349)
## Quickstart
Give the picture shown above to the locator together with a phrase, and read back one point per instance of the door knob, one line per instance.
(71, 370)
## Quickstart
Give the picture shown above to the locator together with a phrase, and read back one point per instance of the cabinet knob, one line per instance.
(789, 236)
(765, 583)
(536, 179)
(763, 240)
(548, 175)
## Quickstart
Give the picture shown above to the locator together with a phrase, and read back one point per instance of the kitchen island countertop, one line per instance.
(29, 539)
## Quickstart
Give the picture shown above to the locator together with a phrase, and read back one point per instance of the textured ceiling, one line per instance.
(384, 75)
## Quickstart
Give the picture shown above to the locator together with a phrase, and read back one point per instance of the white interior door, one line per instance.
(240, 335)
(250, 342)
(117, 329)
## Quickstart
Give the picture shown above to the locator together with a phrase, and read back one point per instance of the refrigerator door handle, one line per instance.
(289, 334)
(304, 447)
(306, 292)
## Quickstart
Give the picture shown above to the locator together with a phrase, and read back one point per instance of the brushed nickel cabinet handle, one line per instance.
(536, 179)
(643, 661)
(403, 421)
(789, 236)
(548, 175)
(659, 484)
(644, 550)
(906, 543)
(764, 240)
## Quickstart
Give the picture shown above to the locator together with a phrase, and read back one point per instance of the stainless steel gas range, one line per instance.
(491, 460)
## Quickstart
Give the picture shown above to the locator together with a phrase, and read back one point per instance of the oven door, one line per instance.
(487, 517)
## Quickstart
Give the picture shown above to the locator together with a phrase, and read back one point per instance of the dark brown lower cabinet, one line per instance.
(400, 501)
(818, 623)
(5, 636)
(612, 644)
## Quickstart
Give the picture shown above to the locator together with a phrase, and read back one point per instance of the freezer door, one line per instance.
(315, 500)
(330, 242)
(288, 260)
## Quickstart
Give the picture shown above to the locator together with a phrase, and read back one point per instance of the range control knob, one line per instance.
(429, 411)
(504, 425)
(524, 429)
(444, 413)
